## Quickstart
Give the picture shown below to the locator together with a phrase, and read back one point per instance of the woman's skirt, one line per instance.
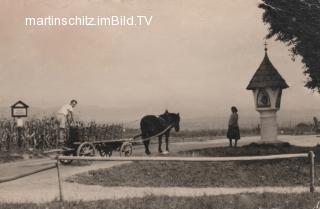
(233, 133)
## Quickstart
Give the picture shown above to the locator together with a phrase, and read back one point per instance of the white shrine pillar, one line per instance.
(269, 126)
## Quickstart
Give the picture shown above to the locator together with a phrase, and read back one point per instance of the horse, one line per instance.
(152, 125)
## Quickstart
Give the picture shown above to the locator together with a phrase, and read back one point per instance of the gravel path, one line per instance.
(43, 187)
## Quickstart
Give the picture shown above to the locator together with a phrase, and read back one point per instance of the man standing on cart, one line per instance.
(65, 118)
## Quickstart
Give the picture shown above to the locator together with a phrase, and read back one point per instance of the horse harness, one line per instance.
(163, 122)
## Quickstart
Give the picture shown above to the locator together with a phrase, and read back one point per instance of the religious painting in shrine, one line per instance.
(263, 99)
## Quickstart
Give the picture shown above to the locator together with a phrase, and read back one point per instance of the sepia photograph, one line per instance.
(158, 104)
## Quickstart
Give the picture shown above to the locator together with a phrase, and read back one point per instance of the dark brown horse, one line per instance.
(152, 125)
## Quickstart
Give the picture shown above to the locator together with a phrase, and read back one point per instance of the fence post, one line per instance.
(59, 180)
(311, 158)
(19, 129)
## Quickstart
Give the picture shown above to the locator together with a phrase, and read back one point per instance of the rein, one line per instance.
(158, 134)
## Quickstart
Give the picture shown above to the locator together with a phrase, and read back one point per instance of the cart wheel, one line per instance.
(86, 149)
(126, 149)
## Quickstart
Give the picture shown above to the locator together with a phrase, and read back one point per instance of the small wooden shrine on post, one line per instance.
(267, 85)
(19, 110)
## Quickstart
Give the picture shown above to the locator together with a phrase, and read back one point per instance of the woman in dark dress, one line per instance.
(233, 127)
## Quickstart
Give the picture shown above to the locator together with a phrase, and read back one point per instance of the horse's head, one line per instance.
(172, 119)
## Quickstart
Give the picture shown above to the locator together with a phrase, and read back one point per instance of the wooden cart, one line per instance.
(104, 147)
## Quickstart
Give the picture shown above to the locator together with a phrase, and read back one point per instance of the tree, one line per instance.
(297, 24)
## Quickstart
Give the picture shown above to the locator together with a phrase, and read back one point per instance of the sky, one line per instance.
(196, 57)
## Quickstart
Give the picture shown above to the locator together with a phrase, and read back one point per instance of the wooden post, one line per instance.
(311, 157)
(59, 180)
(122, 128)
(19, 138)
(8, 139)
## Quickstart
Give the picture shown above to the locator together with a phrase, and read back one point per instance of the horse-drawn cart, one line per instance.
(151, 127)
(76, 147)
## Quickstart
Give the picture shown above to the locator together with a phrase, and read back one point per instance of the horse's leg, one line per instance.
(167, 142)
(145, 135)
(146, 142)
(146, 146)
(160, 142)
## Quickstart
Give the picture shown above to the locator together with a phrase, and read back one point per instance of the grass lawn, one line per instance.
(244, 201)
(286, 172)
(253, 149)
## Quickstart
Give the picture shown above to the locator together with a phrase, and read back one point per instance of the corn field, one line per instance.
(43, 134)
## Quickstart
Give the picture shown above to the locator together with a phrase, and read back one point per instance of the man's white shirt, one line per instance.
(65, 109)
